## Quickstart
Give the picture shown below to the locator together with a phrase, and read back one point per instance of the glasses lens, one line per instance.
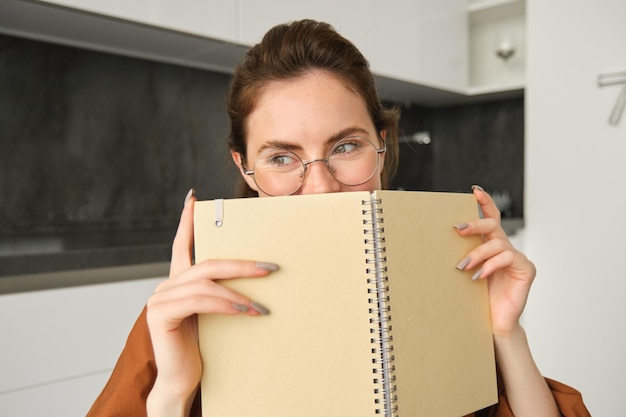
(353, 160)
(278, 172)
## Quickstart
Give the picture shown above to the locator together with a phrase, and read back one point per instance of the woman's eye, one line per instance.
(281, 159)
(345, 147)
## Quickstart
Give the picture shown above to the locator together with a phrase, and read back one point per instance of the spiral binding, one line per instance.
(384, 379)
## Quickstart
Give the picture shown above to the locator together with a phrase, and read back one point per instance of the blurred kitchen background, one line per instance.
(99, 148)
(111, 110)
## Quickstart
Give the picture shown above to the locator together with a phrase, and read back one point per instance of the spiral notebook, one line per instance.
(369, 315)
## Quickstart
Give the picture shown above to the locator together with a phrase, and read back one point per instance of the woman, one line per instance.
(297, 94)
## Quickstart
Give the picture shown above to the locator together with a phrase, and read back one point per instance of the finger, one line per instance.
(486, 203)
(168, 315)
(189, 292)
(479, 227)
(483, 253)
(183, 241)
(500, 261)
(203, 287)
(217, 269)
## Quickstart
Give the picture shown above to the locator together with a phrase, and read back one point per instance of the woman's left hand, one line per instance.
(509, 273)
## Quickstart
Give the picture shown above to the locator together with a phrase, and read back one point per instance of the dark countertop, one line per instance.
(31, 258)
(79, 277)
(30, 263)
(28, 254)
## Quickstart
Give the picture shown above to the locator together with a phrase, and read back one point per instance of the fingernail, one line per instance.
(461, 226)
(190, 194)
(268, 266)
(477, 187)
(477, 274)
(260, 308)
(461, 265)
(240, 307)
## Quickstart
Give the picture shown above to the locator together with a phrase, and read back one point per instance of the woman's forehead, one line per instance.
(314, 107)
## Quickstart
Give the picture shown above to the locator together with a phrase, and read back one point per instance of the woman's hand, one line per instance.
(507, 270)
(172, 316)
(509, 275)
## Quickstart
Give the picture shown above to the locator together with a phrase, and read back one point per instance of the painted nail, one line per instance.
(461, 265)
(190, 194)
(477, 187)
(461, 226)
(260, 308)
(268, 266)
(477, 274)
(240, 307)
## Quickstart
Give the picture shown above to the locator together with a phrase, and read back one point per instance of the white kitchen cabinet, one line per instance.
(354, 19)
(59, 346)
(71, 397)
(450, 45)
(422, 42)
(417, 41)
(194, 33)
(430, 52)
(215, 19)
(497, 29)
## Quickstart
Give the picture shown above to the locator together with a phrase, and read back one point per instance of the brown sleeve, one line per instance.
(132, 378)
(569, 401)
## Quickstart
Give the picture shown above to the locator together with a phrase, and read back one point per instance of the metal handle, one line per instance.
(612, 79)
(618, 108)
(615, 78)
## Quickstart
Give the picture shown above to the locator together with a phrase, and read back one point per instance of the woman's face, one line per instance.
(308, 116)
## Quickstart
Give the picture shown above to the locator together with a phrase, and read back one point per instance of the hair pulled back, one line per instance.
(292, 50)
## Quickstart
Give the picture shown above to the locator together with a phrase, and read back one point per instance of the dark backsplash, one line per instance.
(94, 141)
(481, 143)
(103, 142)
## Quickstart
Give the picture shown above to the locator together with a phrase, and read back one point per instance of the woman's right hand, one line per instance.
(172, 316)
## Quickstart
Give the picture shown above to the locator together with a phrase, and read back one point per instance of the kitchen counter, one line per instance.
(30, 263)
(51, 261)
(80, 250)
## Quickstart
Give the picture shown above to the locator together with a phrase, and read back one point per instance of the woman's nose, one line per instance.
(318, 179)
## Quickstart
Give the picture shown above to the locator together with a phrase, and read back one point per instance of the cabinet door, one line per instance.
(396, 37)
(353, 19)
(423, 41)
(59, 346)
(211, 18)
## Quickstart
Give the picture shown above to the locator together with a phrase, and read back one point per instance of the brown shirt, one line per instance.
(135, 372)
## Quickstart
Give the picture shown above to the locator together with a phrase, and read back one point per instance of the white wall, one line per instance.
(59, 346)
(575, 201)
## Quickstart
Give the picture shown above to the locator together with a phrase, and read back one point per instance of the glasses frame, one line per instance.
(306, 164)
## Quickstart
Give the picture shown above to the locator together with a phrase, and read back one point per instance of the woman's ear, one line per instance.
(248, 178)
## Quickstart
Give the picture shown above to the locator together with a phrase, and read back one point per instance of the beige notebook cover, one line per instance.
(348, 335)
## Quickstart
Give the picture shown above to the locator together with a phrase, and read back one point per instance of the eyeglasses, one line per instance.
(351, 161)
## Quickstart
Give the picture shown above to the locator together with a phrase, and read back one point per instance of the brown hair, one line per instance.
(291, 50)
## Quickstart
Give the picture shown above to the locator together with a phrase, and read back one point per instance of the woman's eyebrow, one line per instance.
(279, 144)
(348, 131)
(291, 146)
